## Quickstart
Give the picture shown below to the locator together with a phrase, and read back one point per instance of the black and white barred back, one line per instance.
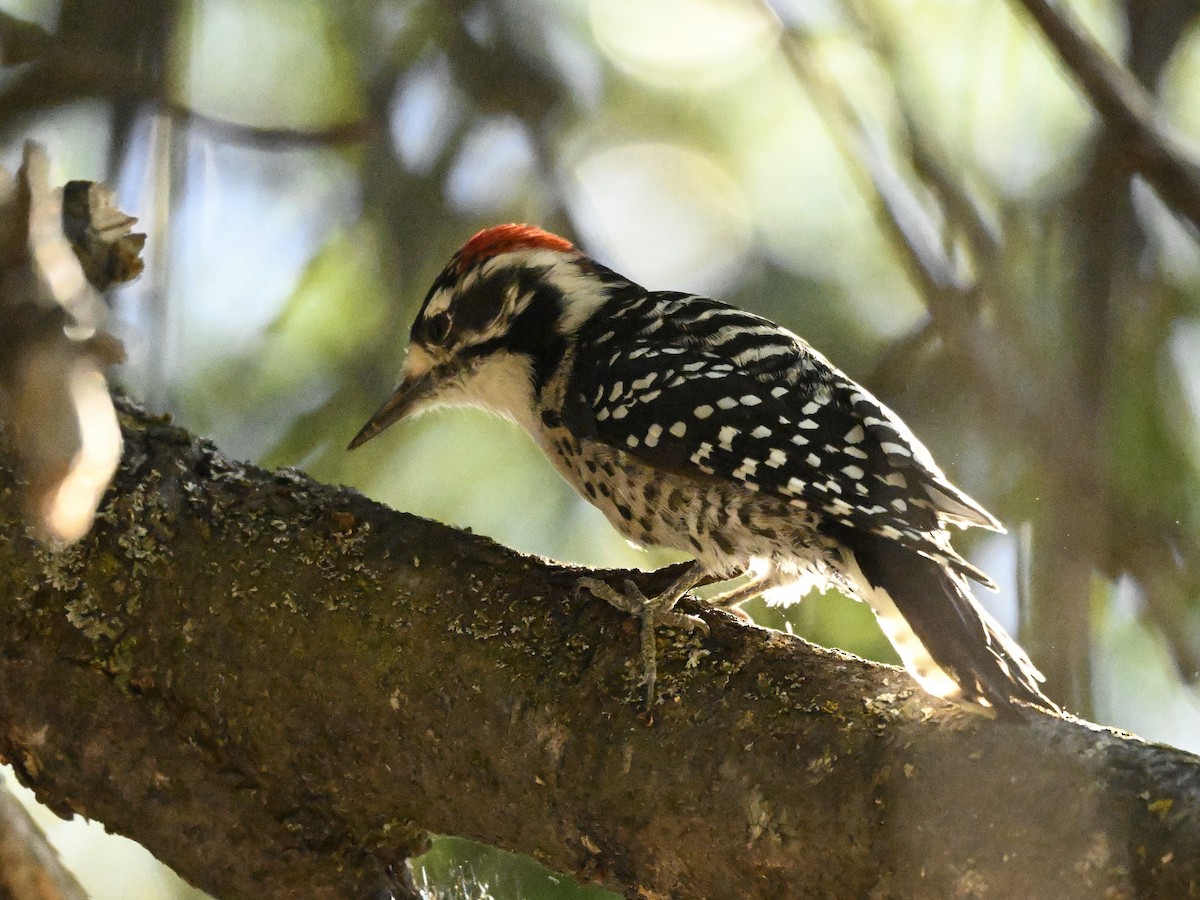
(695, 425)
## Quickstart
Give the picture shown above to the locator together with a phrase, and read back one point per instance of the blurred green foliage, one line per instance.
(919, 187)
(456, 869)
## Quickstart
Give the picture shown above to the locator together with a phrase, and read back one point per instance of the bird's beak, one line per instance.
(413, 388)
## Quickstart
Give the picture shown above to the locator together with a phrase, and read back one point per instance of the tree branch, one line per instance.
(278, 686)
(1125, 107)
(60, 70)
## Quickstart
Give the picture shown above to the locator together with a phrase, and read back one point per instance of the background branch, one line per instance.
(1126, 107)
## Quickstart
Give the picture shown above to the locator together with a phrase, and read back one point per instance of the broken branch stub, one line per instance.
(54, 401)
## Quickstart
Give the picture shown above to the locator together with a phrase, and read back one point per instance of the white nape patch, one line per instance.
(917, 660)
(583, 294)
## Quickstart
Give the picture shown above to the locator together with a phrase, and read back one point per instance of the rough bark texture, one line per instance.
(277, 686)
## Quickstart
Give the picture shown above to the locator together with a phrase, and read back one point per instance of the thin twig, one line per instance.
(946, 291)
(961, 207)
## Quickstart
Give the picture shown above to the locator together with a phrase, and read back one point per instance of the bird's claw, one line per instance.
(652, 611)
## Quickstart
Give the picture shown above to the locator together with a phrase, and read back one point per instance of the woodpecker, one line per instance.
(697, 426)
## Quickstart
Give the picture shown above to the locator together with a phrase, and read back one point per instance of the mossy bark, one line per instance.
(278, 686)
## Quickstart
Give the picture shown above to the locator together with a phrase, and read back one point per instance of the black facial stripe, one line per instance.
(473, 310)
(532, 333)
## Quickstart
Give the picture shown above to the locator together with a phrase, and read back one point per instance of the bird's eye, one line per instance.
(437, 329)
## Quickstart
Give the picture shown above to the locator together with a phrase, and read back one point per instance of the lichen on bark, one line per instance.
(279, 686)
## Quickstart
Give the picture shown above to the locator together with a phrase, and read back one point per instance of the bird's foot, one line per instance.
(658, 610)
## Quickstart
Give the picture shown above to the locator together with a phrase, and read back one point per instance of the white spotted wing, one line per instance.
(702, 389)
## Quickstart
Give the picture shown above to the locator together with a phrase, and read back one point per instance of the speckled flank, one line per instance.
(719, 523)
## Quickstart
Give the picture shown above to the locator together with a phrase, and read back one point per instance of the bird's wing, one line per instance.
(748, 401)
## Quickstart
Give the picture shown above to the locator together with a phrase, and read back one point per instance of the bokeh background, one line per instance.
(916, 186)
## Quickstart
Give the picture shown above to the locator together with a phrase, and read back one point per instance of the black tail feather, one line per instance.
(949, 625)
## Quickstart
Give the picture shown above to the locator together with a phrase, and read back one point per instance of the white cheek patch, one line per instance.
(501, 384)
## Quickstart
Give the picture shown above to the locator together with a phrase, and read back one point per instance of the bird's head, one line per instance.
(498, 315)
